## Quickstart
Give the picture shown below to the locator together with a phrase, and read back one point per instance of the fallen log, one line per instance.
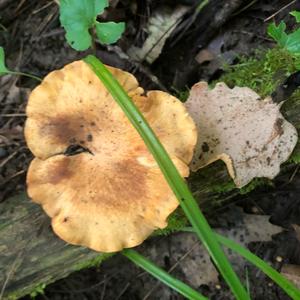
(32, 256)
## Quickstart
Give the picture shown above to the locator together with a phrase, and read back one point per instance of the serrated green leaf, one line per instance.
(109, 32)
(77, 17)
(3, 68)
(296, 14)
(278, 33)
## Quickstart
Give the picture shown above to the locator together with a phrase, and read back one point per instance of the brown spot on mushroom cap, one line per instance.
(109, 194)
(250, 135)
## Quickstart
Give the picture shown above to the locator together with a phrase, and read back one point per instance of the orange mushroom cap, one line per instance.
(112, 195)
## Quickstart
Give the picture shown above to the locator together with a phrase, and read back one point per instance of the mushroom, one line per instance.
(92, 173)
(249, 134)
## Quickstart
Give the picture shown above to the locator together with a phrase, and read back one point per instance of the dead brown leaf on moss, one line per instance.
(249, 134)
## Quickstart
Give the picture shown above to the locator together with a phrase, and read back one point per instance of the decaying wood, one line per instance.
(30, 253)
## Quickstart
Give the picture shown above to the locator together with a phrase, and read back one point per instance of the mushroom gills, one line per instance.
(75, 149)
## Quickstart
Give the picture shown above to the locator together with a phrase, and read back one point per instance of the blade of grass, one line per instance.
(24, 74)
(283, 282)
(174, 179)
(162, 275)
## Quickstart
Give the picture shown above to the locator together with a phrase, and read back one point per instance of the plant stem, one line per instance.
(174, 179)
(24, 74)
(162, 275)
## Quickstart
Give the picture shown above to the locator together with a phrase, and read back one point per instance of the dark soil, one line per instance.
(34, 42)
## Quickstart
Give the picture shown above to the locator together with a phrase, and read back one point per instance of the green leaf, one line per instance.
(293, 42)
(278, 33)
(77, 17)
(3, 69)
(289, 41)
(296, 14)
(109, 32)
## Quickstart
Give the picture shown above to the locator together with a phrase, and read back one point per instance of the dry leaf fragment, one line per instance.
(249, 134)
(292, 273)
(160, 26)
(113, 194)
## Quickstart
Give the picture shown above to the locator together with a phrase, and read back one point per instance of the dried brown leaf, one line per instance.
(292, 273)
(249, 134)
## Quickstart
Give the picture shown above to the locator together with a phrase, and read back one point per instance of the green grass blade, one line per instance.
(285, 284)
(162, 275)
(25, 74)
(174, 179)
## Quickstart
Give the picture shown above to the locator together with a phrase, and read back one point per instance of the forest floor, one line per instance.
(34, 42)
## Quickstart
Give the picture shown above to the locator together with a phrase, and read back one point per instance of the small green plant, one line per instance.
(39, 290)
(78, 17)
(290, 41)
(4, 70)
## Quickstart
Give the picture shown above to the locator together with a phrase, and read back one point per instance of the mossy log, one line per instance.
(31, 256)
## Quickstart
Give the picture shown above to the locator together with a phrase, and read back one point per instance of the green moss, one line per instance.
(95, 262)
(176, 221)
(182, 95)
(256, 182)
(263, 72)
(38, 290)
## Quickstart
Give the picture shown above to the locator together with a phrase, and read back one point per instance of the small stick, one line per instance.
(280, 10)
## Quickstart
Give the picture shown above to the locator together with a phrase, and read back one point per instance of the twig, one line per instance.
(42, 8)
(104, 288)
(5, 161)
(9, 274)
(294, 173)
(122, 292)
(280, 10)
(13, 176)
(13, 115)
